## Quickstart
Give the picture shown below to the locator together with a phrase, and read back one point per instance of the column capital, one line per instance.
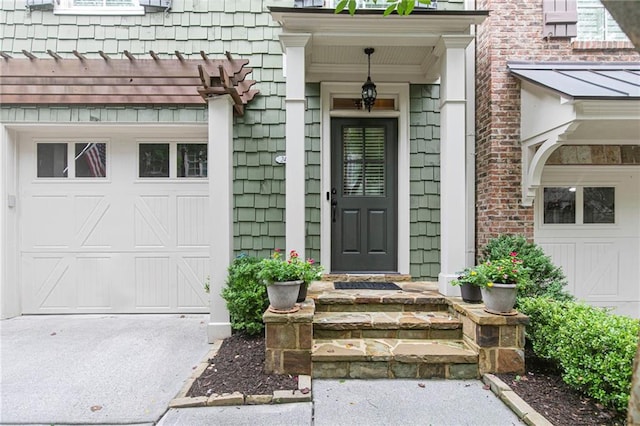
(451, 42)
(220, 99)
(294, 40)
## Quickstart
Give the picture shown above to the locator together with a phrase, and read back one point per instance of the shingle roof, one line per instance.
(583, 80)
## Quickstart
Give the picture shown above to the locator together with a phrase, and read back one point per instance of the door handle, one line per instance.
(334, 205)
(334, 209)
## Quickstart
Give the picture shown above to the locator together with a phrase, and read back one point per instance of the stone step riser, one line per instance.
(454, 334)
(322, 306)
(393, 370)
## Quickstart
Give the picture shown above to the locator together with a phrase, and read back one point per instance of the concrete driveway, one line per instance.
(96, 369)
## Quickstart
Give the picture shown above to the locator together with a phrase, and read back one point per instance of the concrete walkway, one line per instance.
(96, 369)
(366, 403)
(125, 369)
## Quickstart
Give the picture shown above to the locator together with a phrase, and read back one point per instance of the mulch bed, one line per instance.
(238, 367)
(543, 389)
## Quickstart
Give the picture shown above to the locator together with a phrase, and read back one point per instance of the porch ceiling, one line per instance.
(404, 45)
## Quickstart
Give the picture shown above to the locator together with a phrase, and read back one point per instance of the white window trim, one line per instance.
(66, 7)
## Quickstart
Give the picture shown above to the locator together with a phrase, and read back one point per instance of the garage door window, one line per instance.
(154, 160)
(599, 205)
(89, 160)
(52, 160)
(172, 160)
(579, 205)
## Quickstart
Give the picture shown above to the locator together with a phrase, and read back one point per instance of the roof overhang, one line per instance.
(405, 46)
(573, 104)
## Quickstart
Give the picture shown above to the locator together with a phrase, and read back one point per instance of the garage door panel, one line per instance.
(192, 228)
(190, 282)
(94, 282)
(600, 270)
(49, 283)
(152, 286)
(151, 222)
(563, 254)
(49, 220)
(97, 226)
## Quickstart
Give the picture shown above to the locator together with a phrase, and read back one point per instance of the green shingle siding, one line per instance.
(424, 185)
(244, 28)
(312, 171)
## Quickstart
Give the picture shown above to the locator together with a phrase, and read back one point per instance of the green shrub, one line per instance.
(546, 279)
(594, 348)
(246, 295)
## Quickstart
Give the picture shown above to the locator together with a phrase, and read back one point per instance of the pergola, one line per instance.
(131, 81)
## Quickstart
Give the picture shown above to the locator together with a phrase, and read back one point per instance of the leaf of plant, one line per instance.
(352, 7)
(341, 5)
(402, 7)
(410, 6)
(389, 9)
(427, 2)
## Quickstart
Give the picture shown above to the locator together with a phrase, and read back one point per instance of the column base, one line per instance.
(445, 288)
(218, 330)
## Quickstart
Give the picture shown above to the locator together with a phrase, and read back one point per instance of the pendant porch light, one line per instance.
(369, 92)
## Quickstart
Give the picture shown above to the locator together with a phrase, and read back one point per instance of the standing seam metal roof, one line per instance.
(583, 80)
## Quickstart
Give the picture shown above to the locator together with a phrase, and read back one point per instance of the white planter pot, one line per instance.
(500, 298)
(283, 295)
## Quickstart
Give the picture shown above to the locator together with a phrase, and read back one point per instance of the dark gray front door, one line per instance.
(363, 194)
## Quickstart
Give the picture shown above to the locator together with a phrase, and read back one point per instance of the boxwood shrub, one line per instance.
(246, 295)
(593, 347)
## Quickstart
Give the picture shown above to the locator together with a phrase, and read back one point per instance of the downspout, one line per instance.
(470, 245)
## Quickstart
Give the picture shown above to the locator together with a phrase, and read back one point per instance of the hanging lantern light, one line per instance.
(369, 92)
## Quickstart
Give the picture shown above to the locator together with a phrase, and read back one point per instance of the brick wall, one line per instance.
(513, 31)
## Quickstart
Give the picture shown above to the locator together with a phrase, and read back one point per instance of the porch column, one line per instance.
(453, 190)
(220, 172)
(293, 45)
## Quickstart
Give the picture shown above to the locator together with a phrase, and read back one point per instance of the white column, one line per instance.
(293, 46)
(9, 258)
(220, 171)
(453, 195)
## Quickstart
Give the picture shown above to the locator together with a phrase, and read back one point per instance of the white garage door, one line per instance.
(113, 226)
(588, 221)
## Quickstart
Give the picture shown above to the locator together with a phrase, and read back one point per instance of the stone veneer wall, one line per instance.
(513, 31)
(424, 175)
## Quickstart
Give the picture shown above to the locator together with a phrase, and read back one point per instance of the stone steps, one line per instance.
(407, 333)
(398, 325)
(393, 358)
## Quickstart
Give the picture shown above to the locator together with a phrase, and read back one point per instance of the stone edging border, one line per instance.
(181, 400)
(523, 410)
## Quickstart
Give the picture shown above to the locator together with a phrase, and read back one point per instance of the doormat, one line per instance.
(365, 285)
